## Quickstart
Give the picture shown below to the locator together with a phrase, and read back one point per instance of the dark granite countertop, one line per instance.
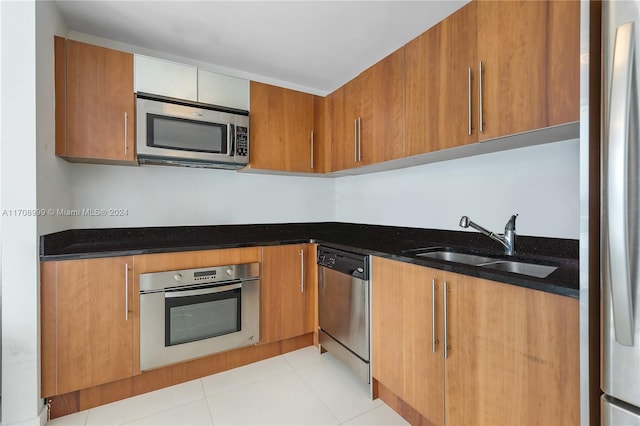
(384, 241)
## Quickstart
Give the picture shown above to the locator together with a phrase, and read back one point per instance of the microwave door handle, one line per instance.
(231, 131)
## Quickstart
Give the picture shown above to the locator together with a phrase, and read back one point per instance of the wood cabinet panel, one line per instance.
(195, 259)
(402, 319)
(48, 348)
(387, 328)
(281, 123)
(343, 139)
(563, 67)
(94, 329)
(422, 90)
(530, 53)
(367, 122)
(513, 352)
(283, 297)
(321, 135)
(100, 115)
(458, 58)
(516, 351)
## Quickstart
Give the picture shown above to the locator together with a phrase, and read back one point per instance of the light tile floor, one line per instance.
(297, 388)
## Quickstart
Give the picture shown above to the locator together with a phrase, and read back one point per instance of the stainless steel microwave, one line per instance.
(182, 133)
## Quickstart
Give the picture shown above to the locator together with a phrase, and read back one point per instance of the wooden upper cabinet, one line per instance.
(95, 108)
(439, 85)
(512, 65)
(281, 129)
(284, 297)
(530, 54)
(422, 92)
(367, 122)
(458, 117)
(87, 323)
(321, 135)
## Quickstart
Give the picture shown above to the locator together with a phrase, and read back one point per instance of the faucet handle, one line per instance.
(511, 224)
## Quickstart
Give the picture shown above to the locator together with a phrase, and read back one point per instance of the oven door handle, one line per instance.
(201, 291)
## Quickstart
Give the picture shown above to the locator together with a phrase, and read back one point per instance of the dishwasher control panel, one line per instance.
(354, 264)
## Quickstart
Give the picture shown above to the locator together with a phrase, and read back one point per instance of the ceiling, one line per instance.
(317, 45)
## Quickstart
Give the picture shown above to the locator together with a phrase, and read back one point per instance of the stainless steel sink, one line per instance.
(513, 266)
(451, 256)
(532, 269)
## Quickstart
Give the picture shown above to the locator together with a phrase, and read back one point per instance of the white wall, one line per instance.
(541, 183)
(168, 196)
(20, 365)
(52, 172)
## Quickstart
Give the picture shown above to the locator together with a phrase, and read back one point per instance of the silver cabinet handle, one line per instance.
(469, 98)
(301, 270)
(312, 145)
(434, 342)
(617, 267)
(355, 140)
(480, 93)
(446, 342)
(126, 292)
(126, 133)
(359, 139)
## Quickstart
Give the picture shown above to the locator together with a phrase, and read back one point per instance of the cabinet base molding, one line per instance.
(62, 405)
(407, 412)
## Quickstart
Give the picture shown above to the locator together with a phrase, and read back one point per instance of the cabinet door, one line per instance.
(94, 322)
(422, 90)
(514, 356)
(283, 292)
(344, 109)
(381, 111)
(218, 89)
(367, 124)
(440, 85)
(281, 123)
(530, 55)
(321, 142)
(100, 119)
(407, 334)
(458, 117)
(166, 78)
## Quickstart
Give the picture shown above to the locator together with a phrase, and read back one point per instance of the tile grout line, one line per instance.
(246, 384)
(314, 392)
(206, 401)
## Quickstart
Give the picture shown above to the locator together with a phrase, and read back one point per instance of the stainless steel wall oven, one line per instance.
(192, 313)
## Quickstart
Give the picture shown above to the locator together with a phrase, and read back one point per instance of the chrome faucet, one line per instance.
(508, 239)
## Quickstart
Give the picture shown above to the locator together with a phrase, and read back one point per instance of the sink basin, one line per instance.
(496, 263)
(532, 269)
(451, 256)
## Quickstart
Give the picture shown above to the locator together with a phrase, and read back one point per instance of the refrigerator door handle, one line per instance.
(618, 267)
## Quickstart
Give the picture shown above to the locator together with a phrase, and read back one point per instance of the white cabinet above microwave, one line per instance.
(167, 78)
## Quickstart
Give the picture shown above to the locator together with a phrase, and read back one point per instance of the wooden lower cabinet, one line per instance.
(90, 321)
(87, 325)
(512, 352)
(287, 297)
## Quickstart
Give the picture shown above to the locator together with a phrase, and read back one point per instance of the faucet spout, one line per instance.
(508, 240)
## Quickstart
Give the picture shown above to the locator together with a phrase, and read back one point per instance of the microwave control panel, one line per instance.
(242, 141)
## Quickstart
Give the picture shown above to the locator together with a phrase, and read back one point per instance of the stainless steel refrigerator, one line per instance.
(620, 242)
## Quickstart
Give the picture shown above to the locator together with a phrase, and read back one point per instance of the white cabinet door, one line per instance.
(218, 89)
(166, 78)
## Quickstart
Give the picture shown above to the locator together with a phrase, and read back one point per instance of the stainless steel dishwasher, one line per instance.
(343, 307)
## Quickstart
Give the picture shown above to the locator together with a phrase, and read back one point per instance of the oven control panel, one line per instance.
(159, 281)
